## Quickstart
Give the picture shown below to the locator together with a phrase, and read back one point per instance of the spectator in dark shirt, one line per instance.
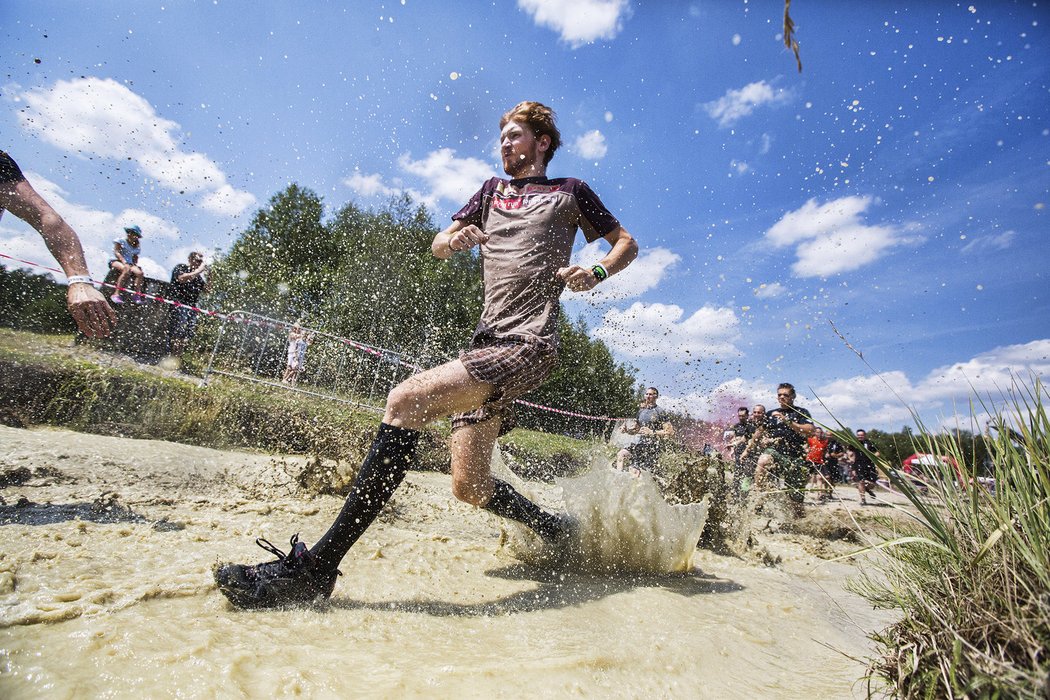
(785, 456)
(862, 453)
(187, 284)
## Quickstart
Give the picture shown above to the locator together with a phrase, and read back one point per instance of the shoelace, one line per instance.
(284, 561)
(276, 551)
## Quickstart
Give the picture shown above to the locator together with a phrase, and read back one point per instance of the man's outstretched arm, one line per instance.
(86, 305)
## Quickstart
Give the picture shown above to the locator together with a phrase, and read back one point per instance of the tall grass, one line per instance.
(973, 578)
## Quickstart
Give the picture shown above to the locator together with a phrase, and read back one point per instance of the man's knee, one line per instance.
(403, 401)
(472, 491)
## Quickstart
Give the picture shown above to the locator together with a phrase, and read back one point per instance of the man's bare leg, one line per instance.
(471, 448)
(306, 574)
(439, 391)
(472, 481)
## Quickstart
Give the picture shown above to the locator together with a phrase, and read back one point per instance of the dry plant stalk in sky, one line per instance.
(789, 33)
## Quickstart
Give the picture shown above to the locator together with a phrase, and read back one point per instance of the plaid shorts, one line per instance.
(515, 366)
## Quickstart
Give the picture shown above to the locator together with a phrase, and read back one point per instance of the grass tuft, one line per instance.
(973, 578)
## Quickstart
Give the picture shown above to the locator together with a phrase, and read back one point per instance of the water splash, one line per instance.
(624, 526)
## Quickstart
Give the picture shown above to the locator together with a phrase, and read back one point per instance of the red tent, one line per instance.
(924, 463)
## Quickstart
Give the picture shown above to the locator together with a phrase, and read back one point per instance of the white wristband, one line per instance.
(78, 279)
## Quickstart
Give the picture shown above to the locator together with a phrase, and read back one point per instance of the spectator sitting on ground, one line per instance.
(86, 304)
(187, 284)
(654, 428)
(126, 262)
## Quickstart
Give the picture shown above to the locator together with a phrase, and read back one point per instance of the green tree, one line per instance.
(587, 380)
(281, 266)
(33, 302)
(370, 276)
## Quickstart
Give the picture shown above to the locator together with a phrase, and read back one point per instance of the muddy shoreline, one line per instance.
(430, 601)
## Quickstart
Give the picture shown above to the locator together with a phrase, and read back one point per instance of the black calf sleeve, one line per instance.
(508, 503)
(381, 473)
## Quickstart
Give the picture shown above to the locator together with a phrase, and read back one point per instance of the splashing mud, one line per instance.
(429, 604)
(621, 525)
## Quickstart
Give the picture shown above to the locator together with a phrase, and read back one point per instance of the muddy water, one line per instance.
(435, 600)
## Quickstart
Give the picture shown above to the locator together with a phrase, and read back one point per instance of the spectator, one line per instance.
(821, 476)
(788, 428)
(86, 305)
(741, 433)
(298, 340)
(653, 427)
(187, 284)
(837, 457)
(126, 262)
(755, 443)
(863, 451)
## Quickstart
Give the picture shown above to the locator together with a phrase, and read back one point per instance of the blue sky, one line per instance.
(892, 196)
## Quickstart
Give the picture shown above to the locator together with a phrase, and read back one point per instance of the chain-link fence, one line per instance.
(255, 348)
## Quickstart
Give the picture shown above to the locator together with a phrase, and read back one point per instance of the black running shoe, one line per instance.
(568, 532)
(294, 579)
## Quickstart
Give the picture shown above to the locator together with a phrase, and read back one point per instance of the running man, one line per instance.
(654, 426)
(524, 227)
(86, 305)
(786, 433)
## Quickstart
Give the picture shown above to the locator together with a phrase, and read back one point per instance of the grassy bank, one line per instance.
(45, 380)
(973, 576)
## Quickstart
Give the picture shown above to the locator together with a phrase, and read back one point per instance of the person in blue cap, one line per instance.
(126, 262)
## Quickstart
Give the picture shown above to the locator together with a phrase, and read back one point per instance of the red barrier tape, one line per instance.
(247, 321)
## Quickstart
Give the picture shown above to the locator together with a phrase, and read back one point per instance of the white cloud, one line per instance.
(739, 166)
(443, 176)
(578, 22)
(642, 275)
(980, 383)
(831, 238)
(447, 177)
(369, 185)
(96, 230)
(962, 394)
(591, 145)
(770, 291)
(226, 201)
(722, 402)
(984, 244)
(660, 331)
(767, 143)
(101, 117)
(736, 104)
